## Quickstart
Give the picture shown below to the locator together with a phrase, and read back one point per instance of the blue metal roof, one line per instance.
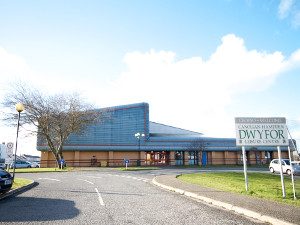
(158, 129)
(117, 133)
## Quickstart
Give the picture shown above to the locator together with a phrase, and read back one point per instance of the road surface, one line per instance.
(109, 197)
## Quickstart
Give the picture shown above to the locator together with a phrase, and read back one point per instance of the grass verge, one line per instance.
(40, 170)
(20, 182)
(267, 186)
(137, 168)
(236, 166)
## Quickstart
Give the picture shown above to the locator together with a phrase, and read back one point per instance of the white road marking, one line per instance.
(99, 197)
(87, 181)
(134, 178)
(139, 179)
(94, 177)
(49, 179)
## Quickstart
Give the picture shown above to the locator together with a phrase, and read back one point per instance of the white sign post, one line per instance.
(290, 158)
(281, 172)
(292, 174)
(9, 153)
(261, 131)
(245, 167)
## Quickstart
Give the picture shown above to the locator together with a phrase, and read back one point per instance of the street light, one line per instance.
(19, 108)
(138, 136)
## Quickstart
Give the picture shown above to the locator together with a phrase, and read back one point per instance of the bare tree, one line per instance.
(54, 117)
(197, 145)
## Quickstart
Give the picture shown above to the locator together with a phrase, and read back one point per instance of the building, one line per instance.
(29, 158)
(128, 135)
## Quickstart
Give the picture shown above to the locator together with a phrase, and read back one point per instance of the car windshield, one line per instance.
(287, 162)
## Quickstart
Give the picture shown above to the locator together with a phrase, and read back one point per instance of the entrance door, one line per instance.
(204, 158)
(157, 158)
(248, 157)
(179, 158)
(193, 157)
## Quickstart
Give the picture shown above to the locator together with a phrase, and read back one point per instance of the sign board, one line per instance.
(9, 153)
(261, 131)
(9, 149)
(10, 145)
(6, 152)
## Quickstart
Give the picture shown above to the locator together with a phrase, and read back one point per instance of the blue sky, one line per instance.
(198, 63)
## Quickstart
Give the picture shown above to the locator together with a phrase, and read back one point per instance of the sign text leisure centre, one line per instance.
(265, 131)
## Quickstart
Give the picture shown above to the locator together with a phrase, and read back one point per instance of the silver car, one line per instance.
(287, 167)
(35, 164)
(21, 164)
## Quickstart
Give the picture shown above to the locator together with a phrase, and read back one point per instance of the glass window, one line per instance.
(287, 162)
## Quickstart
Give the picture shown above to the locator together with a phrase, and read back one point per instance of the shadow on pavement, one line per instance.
(20, 209)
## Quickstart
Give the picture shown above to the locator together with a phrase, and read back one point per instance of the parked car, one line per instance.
(2, 166)
(21, 164)
(5, 181)
(287, 167)
(35, 165)
(297, 163)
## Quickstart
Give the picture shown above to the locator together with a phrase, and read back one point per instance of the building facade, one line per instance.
(127, 135)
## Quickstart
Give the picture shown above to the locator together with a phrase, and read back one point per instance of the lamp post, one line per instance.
(138, 136)
(19, 108)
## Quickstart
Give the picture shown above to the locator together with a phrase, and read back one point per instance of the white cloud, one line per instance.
(193, 93)
(11, 64)
(12, 69)
(289, 9)
(294, 60)
(296, 19)
(285, 8)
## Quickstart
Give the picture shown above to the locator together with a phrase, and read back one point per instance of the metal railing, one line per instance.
(143, 162)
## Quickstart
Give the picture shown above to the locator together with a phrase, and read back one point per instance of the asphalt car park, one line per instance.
(107, 197)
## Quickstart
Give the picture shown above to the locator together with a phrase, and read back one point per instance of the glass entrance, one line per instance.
(204, 158)
(179, 158)
(157, 158)
(193, 157)
(268, 157)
